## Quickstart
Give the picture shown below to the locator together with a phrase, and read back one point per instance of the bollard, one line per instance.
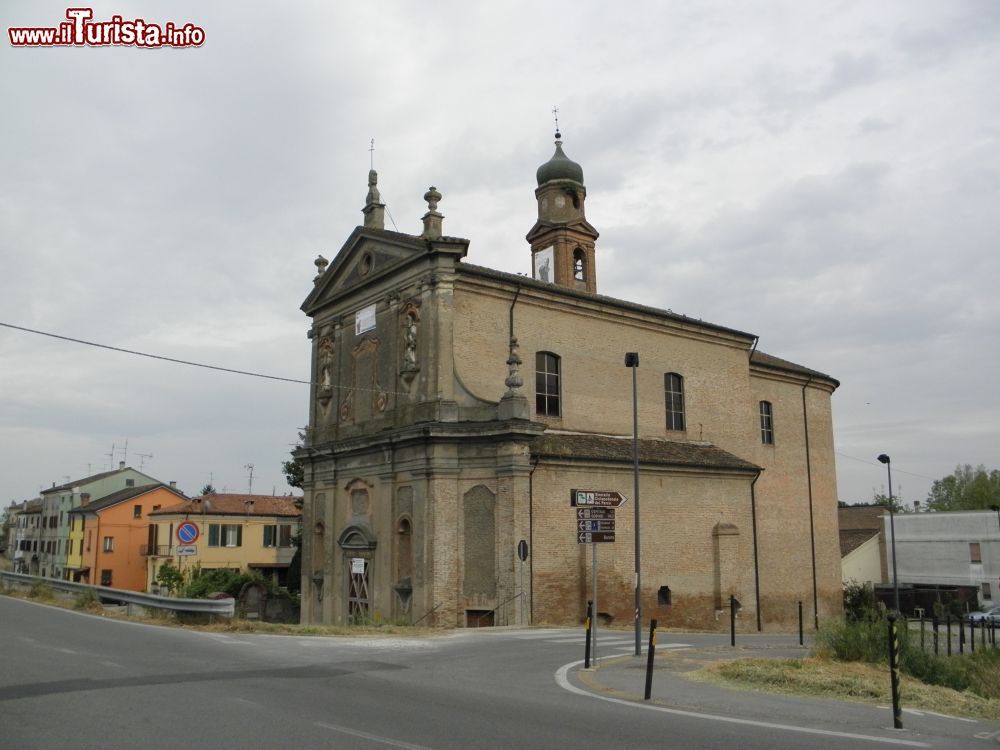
(586, 653)
(800, 623)
(649, 658)
(732, 620)
(934, 627)
(897, 714)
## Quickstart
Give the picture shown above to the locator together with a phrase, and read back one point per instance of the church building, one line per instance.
(456, 410)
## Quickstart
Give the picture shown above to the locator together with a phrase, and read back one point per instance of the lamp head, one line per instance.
(632, 359)
(883, 459)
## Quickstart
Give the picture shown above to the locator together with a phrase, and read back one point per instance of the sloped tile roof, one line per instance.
(851, 539)
(122, 495)
(619, 450)
(230, 504)
(768, 360)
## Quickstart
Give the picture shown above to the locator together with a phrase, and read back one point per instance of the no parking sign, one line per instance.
(187, 533)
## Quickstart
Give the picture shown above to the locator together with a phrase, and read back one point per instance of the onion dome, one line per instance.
(559, 167)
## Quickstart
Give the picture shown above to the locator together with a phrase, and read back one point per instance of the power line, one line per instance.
(154, 356)
(895, 470)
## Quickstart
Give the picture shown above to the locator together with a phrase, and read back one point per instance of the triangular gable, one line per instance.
(367, 255)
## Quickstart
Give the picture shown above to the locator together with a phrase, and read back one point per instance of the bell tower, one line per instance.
(562, 241)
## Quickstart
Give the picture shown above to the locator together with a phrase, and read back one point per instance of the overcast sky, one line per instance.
(825, 175)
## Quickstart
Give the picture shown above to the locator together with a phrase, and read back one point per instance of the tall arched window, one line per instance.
(579, 265)
(547, 384)
(673, 391)
(766, 423)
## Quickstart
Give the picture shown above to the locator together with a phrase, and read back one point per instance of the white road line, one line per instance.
(563, 681)
(925, 712)
(372, 737)
(112, 664)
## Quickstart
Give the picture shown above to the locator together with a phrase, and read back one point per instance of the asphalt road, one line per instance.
(70, 680)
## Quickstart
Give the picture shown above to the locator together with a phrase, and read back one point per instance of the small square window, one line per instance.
(105, 577)
(109, 544)
(136, 511)
(986, 591)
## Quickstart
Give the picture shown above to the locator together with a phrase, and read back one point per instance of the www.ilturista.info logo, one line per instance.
(81, 31)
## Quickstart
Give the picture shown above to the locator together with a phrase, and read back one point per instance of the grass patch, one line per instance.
(41, 592)
(87, 601)
(850, 681)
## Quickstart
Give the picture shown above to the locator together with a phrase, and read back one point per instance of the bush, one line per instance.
(222, 579)
(860, 602)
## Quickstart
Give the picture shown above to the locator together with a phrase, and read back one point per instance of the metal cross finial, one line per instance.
(555, 114)
(371, 155)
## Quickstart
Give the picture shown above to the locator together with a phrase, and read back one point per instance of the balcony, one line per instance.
(157, 550)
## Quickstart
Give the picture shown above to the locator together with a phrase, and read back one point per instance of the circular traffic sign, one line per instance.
(187, 533)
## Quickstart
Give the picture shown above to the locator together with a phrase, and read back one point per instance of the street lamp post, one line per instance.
(632, 360)
(884, 459)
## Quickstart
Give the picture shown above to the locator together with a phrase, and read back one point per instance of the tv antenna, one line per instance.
(249, 468)
(142, 458)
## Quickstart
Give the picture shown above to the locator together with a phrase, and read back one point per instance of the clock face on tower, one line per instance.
(543, 269)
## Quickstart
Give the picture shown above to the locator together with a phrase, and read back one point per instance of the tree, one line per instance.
(879, 498)
(208, 489)
(966, 489)
(294, 472)
(170, 577)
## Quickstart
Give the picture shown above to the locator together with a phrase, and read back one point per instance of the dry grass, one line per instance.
(849, 681)
(44, 594)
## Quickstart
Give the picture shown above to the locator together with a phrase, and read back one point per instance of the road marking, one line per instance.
(248, 702)
(925, 712)
(112, 664)
(372, 737)
(563, 681)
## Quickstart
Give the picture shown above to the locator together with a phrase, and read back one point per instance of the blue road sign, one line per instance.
(187, 533)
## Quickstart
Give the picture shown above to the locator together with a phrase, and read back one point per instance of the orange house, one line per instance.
(115, 532)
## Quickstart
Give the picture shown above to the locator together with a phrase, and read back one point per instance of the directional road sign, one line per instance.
(595, 537)
(596, 498)
(595, 525)
(595, 514)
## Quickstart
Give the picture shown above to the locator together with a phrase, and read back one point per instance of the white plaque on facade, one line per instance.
(543, 262)
(364, 320)
(357, 566)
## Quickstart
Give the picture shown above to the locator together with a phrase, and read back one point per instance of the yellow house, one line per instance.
(238, 532)
(74, 549)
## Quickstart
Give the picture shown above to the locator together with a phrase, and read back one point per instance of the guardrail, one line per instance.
(133, 599)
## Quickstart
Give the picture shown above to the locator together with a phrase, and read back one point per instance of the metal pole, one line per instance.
(892, 529)
(586, 650)
(593, 620)
(649, 658)
(897, 714)
(634, 359)
(732, 620)
(800, 623)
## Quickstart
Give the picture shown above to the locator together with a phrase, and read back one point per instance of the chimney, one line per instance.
(916, 506)
(121, 465)
(84, 499)
(173, 484)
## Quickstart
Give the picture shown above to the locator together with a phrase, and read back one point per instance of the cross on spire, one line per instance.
(555, 114)
(371, 155)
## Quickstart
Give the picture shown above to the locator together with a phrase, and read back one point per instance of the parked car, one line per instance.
(986, 616)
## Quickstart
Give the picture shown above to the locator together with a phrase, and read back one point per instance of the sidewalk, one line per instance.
(623, 678)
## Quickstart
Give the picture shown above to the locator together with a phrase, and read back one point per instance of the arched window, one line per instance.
(546, 384)
(579, 265)
(673, 391)
(766, 423)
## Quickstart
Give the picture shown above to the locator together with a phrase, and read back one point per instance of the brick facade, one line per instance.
(426, 457)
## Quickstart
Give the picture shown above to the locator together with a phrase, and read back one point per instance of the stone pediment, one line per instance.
(581, 225)
(367, 255)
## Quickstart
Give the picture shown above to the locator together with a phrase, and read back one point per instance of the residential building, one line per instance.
(455, 408)
(108, 537)
(954, 548)
(27, 537)
(58, 501)
(234, 531)
(862, 544)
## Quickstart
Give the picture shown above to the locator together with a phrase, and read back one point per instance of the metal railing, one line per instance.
(220, 607)
(156, 550)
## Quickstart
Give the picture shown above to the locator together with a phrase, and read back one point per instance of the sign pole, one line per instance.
(593, 625)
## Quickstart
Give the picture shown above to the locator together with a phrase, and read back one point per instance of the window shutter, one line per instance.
(239, 536)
